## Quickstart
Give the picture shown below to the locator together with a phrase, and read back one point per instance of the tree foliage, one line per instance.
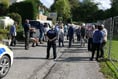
(74, 4)
(114, 8)
(27, 9)
(86, 10)
(62, 7)
(4, 4)
(16, 17)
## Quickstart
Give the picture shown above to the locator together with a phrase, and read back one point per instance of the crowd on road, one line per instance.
(94, 34)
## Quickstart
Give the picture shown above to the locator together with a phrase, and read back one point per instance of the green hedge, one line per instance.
(3, 34)
(20, 36)
(27, 9)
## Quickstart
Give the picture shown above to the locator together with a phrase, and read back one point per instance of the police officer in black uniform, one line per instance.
(52, 36)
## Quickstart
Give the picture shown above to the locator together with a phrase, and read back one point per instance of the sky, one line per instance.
(104, 4)
(47, 3)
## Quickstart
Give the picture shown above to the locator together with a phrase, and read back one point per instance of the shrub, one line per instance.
(16, 17)
(3, 34)
(27, 9)
(20, 36)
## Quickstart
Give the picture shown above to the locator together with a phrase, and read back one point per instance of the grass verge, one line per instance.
(107, 68)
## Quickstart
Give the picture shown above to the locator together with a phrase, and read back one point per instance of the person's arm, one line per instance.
(52, 38)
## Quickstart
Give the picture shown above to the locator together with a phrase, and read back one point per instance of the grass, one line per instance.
(107, 67)
(114, 50)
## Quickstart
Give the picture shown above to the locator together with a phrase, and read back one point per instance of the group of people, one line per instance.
(95, 34)
(97, 38)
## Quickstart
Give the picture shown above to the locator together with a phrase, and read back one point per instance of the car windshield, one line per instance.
(35, 24)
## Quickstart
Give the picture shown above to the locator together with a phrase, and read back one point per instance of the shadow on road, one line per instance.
(29, 58)
(73, 59)
(78, 50)
(74, 55)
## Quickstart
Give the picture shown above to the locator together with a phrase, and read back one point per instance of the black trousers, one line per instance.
(13, 40)
(96, 46)
(90, 44)
(70, 41)
(27, 34)
(53, 45)
(61, 41)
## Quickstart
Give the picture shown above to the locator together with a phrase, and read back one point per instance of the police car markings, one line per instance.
(2, 50)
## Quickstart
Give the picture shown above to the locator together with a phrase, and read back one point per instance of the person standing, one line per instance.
(90, 32)
(97, 41)
(41, 30)
(61, 35)
(27, 33)
(104, 41)
(83, 34)
(78, 33)
(70, 35)
(52, 36)
(13, 34)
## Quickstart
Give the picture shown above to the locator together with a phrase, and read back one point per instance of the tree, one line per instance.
(62, 7)
(27, 9)
(16, 17)
(86, 10)
(4, 4)
(114, 8)
(74, 4)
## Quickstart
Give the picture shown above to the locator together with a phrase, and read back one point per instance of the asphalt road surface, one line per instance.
(71, 63)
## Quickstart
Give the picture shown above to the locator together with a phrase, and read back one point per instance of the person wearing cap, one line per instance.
(51, 36)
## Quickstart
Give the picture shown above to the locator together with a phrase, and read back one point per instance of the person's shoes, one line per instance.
(26, 48)
(33, 45)
(54, 57)
(41, 42)
(37, 44)
(91, 59)
(47, 57)
(11, 44)
(96, 59)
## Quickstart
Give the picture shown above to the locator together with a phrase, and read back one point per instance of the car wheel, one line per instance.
(4, 66)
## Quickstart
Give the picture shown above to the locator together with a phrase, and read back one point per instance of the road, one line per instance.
(71, 63)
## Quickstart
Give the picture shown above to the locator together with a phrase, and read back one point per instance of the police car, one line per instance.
(6, 60)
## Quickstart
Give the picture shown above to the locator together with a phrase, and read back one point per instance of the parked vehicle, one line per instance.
(35, 24)
(6, 60)
(6, 21)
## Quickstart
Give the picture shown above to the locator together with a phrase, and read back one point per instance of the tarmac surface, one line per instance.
(71, 63)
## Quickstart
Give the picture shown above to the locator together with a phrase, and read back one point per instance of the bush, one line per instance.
(20, 36)
(4, 4)
(4, 31)
(3, 34)
(27, 9)
(16, 17)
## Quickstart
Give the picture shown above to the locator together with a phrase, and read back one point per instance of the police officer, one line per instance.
(52, 36)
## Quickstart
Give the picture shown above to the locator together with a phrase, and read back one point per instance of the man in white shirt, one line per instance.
(104, 41)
